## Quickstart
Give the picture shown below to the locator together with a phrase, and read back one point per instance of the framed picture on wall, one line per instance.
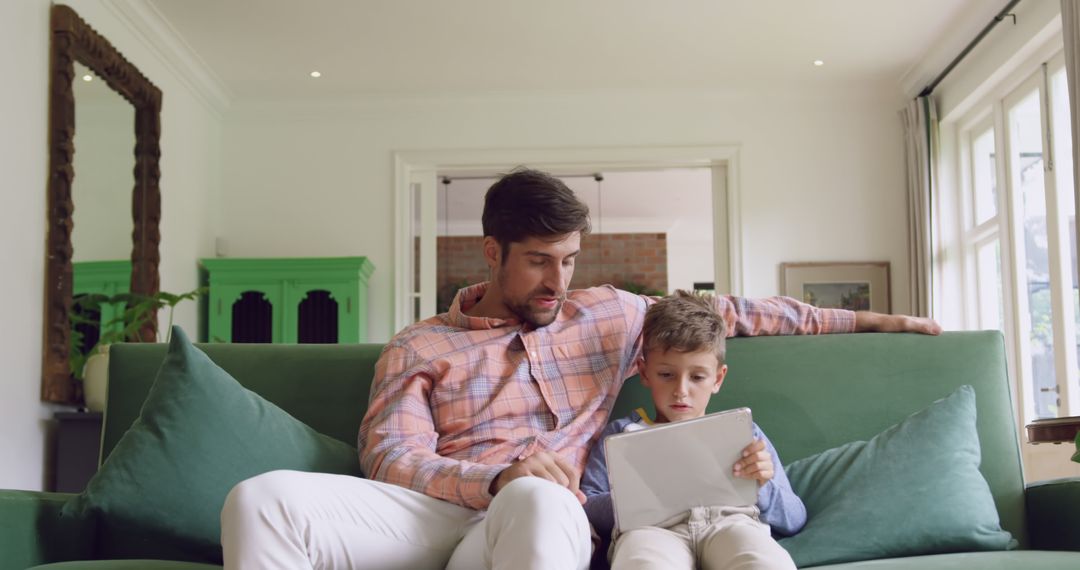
(857, 286)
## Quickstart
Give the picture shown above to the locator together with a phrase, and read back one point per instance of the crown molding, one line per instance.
(151, 28)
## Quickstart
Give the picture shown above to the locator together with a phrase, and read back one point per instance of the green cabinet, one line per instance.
(290, 300)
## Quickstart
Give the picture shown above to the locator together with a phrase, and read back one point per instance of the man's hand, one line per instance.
(545, 465)
(866, 321)
(756, 463)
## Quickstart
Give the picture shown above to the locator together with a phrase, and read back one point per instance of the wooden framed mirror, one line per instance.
(73, 41)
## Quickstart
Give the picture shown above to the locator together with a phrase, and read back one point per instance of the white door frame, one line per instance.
(415, 180)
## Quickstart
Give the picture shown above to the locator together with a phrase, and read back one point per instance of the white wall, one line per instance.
(822, 173)
(24, 54)
(190, 181)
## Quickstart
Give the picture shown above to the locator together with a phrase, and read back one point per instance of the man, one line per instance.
(481, 419)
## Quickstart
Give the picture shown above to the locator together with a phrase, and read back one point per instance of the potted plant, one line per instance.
(90, 364)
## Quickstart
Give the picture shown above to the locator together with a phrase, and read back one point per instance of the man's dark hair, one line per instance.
(529, 203)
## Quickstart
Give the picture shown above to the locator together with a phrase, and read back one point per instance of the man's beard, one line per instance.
(536, 318)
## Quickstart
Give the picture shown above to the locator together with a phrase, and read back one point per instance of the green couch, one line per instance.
(808, 393)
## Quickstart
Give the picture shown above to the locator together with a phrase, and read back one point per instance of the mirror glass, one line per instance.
(101, 233)
(104, 165)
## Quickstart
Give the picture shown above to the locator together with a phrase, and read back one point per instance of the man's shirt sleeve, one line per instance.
(397, 439)
(780, 316)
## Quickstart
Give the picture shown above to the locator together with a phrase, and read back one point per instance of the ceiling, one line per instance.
(267, 48)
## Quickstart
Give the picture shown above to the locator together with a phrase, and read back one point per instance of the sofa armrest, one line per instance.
(33, 532)
(1053, 510)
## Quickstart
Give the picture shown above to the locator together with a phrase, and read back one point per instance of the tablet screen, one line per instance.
(665, 470)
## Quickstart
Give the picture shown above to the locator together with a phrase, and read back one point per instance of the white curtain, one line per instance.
(1070, 28)
(920, 134)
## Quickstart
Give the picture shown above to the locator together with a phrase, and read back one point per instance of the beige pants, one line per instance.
(293, 520)
(727, 538)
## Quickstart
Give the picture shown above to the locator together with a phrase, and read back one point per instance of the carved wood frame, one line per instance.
(74, 40)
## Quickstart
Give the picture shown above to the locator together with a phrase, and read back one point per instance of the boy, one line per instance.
(683, 366)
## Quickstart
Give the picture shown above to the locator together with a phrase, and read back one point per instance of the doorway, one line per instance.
(702, 249)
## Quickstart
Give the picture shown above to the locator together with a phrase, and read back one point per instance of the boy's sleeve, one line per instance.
(780, 507)
(594, 480)
(594, 483)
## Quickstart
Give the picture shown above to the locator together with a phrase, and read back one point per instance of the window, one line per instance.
(983, 232)
(1018, 236)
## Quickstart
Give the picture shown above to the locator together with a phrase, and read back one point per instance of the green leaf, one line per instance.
(138, 311)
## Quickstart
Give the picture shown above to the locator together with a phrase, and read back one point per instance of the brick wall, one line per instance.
(628, 261)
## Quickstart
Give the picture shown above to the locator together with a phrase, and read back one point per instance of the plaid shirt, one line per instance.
(456, 399)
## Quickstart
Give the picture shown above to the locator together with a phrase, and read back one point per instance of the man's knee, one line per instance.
(539, 521)
(252, 495)
(533, 494)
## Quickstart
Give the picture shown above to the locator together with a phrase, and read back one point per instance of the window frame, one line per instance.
(1007, 227)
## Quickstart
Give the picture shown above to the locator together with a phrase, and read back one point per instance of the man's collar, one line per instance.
(466, 299)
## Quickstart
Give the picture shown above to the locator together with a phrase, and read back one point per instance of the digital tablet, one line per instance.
(659, 472)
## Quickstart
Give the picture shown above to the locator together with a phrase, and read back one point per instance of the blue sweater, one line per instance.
(780, 507)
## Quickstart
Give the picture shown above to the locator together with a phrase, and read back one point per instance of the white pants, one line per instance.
(705, 537)
(293, 520)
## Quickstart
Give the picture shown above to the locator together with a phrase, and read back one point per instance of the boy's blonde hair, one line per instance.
(685, 322)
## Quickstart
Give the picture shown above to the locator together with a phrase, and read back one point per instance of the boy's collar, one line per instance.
(644, 416)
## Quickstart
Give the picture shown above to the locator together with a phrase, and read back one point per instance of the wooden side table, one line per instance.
(1056, 430)
(78, 445)
(1053, 430)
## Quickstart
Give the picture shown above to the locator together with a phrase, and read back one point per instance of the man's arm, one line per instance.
(788, 316)
(398, 439)
(780, 316)
(865, 321)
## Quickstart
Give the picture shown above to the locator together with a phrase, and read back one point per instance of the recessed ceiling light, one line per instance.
(818, 63)
(88, 77)
(316, 74)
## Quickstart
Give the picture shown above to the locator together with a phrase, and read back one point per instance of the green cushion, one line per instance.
(913, 489)
(1016, 559)
(199, 433)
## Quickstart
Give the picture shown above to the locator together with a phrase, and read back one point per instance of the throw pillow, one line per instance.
(913, 489)
(199, 433)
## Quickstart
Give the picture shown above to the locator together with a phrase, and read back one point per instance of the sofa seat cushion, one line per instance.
(914, 489)
(126, 565)
(199, 433)
(1012, 560)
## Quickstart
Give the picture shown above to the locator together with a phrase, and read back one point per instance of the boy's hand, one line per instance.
(545, 465)
(756, 463)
